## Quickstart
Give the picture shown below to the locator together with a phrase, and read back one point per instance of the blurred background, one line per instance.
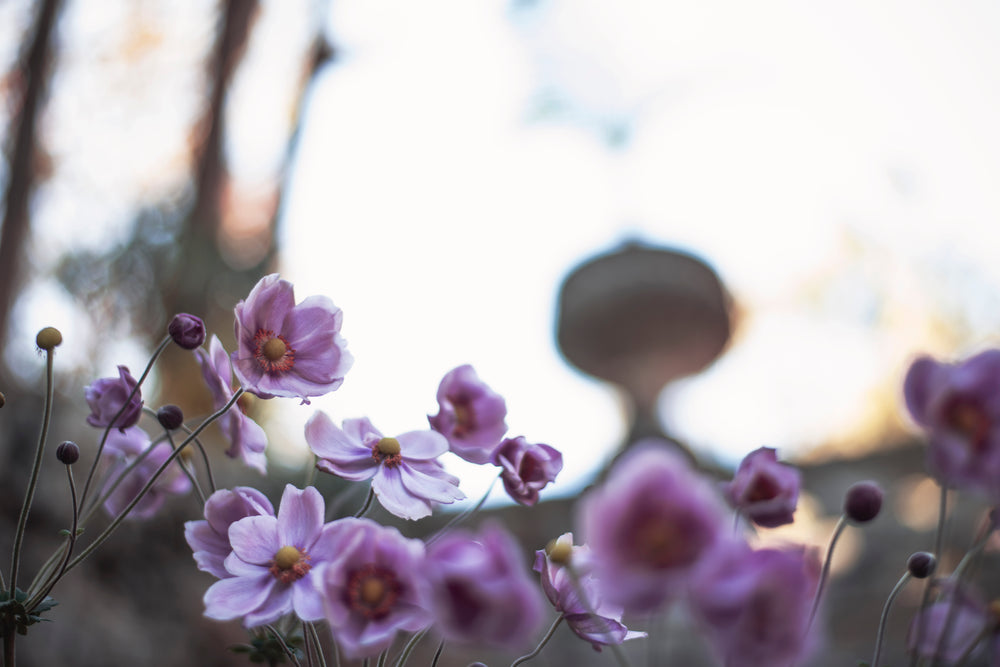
(439, 169)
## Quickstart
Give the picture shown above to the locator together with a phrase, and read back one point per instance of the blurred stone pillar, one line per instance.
(642, 317)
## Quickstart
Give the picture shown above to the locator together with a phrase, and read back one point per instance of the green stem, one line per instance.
(437, 654)
(314, 635)
(885, 616)
(38, 597)
(538, 649)
(408, 649)
(825, 573)
(104, 438)
(926, 596)
(284, 645)
(22, 520)
(204, 457)
(152, 480)
(368, 503)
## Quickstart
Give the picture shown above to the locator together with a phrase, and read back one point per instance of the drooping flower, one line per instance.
(406, 476)
(649, 524)
(108, 395)
(482, 592)
(600, 628)
(209, 538)
(526, 468)
(755, 604)
(247, 439)
(373, 586)
(958, 405)
(173, 481)
(945, 630)
(272, 563)
(471, 415)
(289, 350)
(764, 490)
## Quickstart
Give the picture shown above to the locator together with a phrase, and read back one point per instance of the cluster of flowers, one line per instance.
(655, 533)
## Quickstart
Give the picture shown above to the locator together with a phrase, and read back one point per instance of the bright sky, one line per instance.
(836, 163)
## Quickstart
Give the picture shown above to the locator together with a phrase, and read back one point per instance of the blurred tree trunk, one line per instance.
(34, 70)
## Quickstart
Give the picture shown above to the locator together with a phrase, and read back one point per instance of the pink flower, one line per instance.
(482, 593)
(285, 349)
(958, 405)
(373, 587)
(404, 470)
(247, 439)
(601, 628)
(272, 563)
(526, 468)
(173, 481)
(755, 605)
(649, 525)
(209, 539)
(764, 490)
(107, 396)
(961, 613)
(471, 415)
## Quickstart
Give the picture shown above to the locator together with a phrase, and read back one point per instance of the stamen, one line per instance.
(387, 452)
(372, 591)
(273, 352)
(289, 564)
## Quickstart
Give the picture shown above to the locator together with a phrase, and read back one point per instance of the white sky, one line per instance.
(837, 163)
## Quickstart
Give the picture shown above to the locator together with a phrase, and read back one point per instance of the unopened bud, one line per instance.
(921, 564)
(48, 339)
(863, 502)
(170, 417)
(187, 331)
(68, 452)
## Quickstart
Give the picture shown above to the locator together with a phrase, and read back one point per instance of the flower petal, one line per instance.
(300, 517)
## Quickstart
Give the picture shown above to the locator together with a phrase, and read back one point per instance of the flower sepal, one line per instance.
(14, 614)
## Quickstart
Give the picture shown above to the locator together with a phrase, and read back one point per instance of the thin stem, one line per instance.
(110, 488)
(310, 473)
(104, 438)
(885, 616)
(368, 503)
(408, 649)
(40, 596)
(284, 645)
(152, 480)
(204, 457)
(311, 631)
(188, 472)
(29, 495)
(841, 524)
(382, 657)
(437, 654)
(538, 649)
(9, 633)
(926, 596)
(464, 515)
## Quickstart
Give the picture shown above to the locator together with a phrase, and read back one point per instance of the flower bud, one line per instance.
(187, 331)
(48, 339)
(68, 452)
(921, 564)
(863, 502)
(170, 417)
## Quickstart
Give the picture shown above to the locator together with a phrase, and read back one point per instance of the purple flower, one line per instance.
(404, 470)
(107, 396)
(272, 563)
(187, 331)
(209, 539)
(173, 481)
(649, 524)
(471, 415)
(285, 349)
(600, 628)
(961, 613)
(763, 489)
(959, 407)
(755, 605)
(128, 443)
(482, 593)
(526, 468)
(247, 439)
(373, 587)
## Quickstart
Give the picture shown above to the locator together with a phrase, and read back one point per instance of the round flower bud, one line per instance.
(48, 339)
(187, 331)
(170, 417)
(863, 502)
(921, 564)
(68, 452)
